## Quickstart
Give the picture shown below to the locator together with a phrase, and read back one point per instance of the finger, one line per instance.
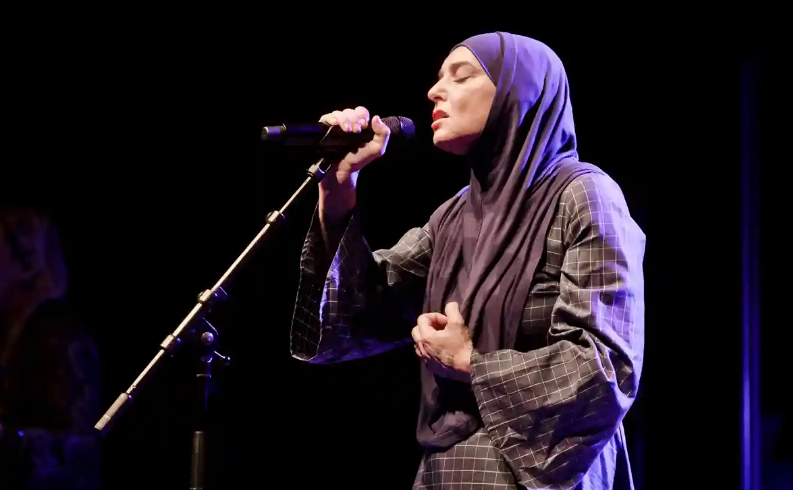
(432, 322)
(452, 311)
(362, 114)
(330, 118)
(334, 118)
(351, 121)
(427, 323)
(340, 119)
(416, 334)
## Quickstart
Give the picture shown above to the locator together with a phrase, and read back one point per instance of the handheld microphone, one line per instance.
(327, 136)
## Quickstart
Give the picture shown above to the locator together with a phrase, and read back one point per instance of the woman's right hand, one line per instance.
(355, 120)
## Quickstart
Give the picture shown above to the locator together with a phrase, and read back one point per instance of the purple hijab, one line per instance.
(489, 240)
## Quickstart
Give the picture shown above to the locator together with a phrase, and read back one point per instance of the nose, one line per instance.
(434, 93)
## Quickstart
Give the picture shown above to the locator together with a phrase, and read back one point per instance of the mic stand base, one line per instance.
(204, 336)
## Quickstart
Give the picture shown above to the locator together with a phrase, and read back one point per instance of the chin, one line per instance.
(455, 146)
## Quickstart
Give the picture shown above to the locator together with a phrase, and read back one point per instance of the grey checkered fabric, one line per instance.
(552, 407)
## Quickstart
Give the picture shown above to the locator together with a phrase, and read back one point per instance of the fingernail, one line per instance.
(346, 126)
(363, 122)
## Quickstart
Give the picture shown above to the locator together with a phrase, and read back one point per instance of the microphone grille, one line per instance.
(401, 128)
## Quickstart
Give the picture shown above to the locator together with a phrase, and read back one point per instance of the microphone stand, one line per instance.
(196, 329)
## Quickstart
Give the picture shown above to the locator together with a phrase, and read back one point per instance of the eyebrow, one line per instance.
(454, 66)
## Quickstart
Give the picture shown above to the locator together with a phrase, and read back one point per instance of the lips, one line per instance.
(438, 116)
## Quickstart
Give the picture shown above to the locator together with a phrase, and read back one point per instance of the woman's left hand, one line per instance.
(444, 343)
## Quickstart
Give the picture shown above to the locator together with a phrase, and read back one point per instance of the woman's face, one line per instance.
(462, 97)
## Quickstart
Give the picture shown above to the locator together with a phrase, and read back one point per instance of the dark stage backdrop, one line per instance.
(145, 145)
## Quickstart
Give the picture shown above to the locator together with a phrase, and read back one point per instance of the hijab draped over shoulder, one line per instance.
(489, 240)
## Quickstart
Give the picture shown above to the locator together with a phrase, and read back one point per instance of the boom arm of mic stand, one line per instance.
(195, 323)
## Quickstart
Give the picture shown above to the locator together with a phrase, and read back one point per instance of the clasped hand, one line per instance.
(443, 342)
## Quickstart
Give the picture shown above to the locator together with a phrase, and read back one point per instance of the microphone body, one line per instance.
(333, 137)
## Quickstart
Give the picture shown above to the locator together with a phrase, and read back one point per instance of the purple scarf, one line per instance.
(489, 240)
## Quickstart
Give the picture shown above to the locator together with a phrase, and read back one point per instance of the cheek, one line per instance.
(484, 101)
(482, 113)
(471, 111)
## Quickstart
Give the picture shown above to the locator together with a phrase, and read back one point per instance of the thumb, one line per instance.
(380, 129)
(452, 311)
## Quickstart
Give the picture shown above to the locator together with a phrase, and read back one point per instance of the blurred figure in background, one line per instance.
(49, 367)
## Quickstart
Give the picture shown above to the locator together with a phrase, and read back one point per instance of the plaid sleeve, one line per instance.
(552, 410)
(357, 303)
